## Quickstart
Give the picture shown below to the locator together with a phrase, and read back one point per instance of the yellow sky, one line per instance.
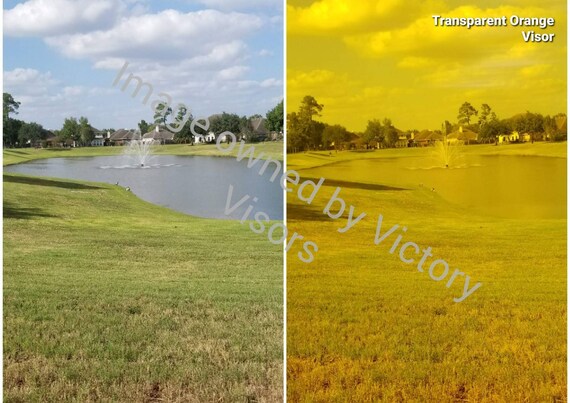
(366, 59)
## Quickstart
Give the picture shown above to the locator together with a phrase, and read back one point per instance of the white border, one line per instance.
(284, 200)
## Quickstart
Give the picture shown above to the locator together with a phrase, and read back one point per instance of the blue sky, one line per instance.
(61, 57)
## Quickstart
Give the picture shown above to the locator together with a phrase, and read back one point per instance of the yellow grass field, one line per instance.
(363, 326)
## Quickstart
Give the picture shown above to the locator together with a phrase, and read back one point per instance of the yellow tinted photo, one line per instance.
(426, 202)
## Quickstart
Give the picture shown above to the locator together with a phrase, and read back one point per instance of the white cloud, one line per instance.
(54, 17)
(178, 53)
(110, 63)
(200, 58)
(73, 90)
(168, 35)
(233, 73)
(242, 4)
(265, 52)
(43, 98)
(28, 81)
(220, 55)
(271, 82)
(276, 20)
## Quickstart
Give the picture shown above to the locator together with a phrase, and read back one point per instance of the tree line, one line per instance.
(18, 133)
(164, 115)
(305, 132)
(489, 126)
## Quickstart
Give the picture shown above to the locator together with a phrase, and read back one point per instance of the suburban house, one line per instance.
(208, 138)
(513, 137)
(403, 140)
(160, 135)
(274, 136)
(259, 129)
(53, 141)
(526, 137)
(465, 136)
(426, 138)
(121, 137)
(100, 139)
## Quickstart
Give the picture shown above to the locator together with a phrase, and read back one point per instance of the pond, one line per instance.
(190, 184)
(502, 186)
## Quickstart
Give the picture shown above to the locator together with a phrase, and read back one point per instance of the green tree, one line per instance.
(11, 130)
(309, 108)
(246, 129)
(491, 129)
(389, 132)
(316, 130)
(86, 132)
(11, 126)
(562, 127)
(70, 129)
(374, 132)
(296, 138)
(466, 111)
(335, 135)
(487, 115)
(555, 127)
(305, 131)
(31, 132)
(527, 123)
(161, 113)
(144, 127)
(184, 135)
(9, 106)
(226, 122)
(275, 118)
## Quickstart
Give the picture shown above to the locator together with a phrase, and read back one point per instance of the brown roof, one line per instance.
(463, 134)
(426, 135)
(161, 134)
(258, 125)
(122, 134)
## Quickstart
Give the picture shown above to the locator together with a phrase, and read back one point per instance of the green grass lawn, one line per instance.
(272, 149)
(109, 298)
(363, 326)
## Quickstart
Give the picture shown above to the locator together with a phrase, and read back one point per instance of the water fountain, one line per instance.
(139, 149)
(447, 153)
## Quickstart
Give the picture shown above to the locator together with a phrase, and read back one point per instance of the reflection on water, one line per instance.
(503, 186)
(192, 185)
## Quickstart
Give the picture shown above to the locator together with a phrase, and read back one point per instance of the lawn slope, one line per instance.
(363, 326)
(109, 298)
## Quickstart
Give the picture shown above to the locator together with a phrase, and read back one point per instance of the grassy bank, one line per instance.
(109, 298)
(364, 326)
(17, 155)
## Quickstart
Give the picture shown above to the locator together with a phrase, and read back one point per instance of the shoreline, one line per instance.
(313, 159)
(12, 156)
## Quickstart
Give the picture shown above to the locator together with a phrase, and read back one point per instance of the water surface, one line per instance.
(194, 185)
(502, 186)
